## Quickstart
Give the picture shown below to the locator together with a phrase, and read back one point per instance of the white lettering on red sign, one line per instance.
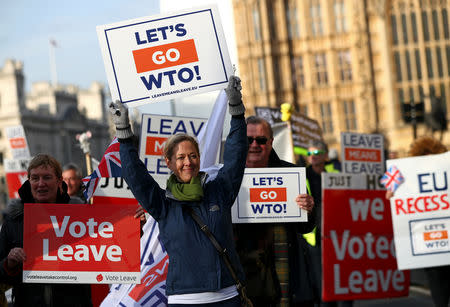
(78, 229)
(105, 229)
(360, 208)
(369, 280)
(356, 247)
(159, 58)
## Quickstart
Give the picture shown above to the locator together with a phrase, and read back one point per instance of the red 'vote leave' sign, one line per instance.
(358, 252)
(77, 243)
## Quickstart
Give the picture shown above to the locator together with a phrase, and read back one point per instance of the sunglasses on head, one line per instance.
(316, 152)
(260, 140)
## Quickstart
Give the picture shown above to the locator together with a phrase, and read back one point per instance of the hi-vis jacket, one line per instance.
(194, 263)
(311, 237)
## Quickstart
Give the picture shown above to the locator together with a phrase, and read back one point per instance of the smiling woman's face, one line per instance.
(44, 184)
(185, 162)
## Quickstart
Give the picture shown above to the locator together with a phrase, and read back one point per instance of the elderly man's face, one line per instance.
(260, 145)
(44, 184)
(72, 180)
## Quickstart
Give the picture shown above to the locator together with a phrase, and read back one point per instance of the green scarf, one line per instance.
(191, 191)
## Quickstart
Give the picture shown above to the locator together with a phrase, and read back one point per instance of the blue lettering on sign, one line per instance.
(162, 127)
(138, 39)
(180, 29)
(275, 208)
(436, 244)
(152, 36)
(196, 132)
(190, 75)
(165, 127)
(424, 182)
(180, 128)
(149, 127)
(184, 75)
(261, 181)
(358, 168)
(356, 140)
(161, 33)
(161, 167)
(151, 79)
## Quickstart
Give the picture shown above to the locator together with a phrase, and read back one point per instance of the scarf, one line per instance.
(191, 191)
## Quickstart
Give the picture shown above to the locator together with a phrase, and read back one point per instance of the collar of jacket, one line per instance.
(203, 178)
(273, 159)
(27, 197)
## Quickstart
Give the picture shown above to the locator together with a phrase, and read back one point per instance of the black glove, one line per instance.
(236, 107)
(120, 118)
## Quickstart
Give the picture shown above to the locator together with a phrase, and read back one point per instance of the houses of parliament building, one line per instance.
(353, 65)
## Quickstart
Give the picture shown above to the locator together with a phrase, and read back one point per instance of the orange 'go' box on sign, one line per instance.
(17, 143)
(267, 194)
(154, 146)
(163, 56)
(435, 235)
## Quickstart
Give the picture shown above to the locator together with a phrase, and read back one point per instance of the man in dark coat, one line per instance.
(269, 252)
(44, 185)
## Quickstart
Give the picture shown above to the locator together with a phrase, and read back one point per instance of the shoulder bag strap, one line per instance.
(222, 251)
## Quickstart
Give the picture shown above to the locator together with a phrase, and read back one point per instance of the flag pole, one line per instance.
(286, 110)
(86, 147)
(52, 56)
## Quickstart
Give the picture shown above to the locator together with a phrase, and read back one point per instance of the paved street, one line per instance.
(418, 297)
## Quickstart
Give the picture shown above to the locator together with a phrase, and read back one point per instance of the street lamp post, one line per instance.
(413, 113)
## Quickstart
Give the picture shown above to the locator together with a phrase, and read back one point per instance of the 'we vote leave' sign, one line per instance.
(358, 252)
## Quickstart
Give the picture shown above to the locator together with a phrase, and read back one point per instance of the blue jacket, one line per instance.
(195, 265)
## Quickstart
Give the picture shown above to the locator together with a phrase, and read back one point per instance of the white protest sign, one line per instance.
(17, 142)
(421, 211)
(16, 174)
(362, 153)
(113, 187)
(162, 57)
(155, 130)
(267, 195)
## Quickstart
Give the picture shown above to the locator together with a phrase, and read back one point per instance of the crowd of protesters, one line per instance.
(279, 263)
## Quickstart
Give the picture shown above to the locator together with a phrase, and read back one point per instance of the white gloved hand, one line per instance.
(120, 118)
(236, 107)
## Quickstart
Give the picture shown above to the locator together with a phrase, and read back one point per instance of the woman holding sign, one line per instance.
(438, 276)
(197, 272)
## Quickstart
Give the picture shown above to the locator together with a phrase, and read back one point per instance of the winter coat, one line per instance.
(311, 286)
(253, 237)
(195, 265)
(35, 294)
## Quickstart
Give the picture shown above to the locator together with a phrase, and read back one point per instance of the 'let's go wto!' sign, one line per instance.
(158, 58)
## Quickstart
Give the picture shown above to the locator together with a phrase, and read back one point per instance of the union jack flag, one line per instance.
(392, 179)
(109, 166)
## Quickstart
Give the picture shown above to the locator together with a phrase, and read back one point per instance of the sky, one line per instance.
(27, 26)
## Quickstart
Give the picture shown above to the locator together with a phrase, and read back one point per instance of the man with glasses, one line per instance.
(317, 158)
(269, 252)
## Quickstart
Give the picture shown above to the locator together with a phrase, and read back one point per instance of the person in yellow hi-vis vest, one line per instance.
(310, 242)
